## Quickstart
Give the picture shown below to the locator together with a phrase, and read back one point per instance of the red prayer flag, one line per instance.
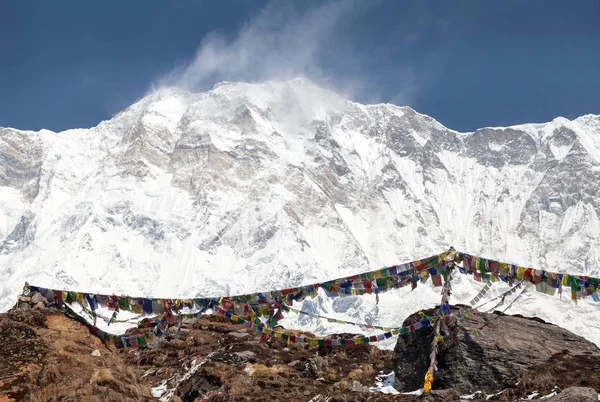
(436, 280)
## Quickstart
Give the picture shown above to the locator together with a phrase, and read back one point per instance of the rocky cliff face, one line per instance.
(508, 350)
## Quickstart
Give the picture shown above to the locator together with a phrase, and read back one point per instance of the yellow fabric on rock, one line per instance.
(428, 381)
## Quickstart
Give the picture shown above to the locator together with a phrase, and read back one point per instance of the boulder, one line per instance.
(442, 395)
(490, 361)
(575, 394)
(37, 298)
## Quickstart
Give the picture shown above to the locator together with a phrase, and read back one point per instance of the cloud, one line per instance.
(279, 43)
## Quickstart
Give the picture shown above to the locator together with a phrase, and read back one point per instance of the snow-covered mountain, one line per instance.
(249, 187)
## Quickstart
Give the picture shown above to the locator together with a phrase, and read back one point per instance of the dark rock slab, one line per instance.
(490, 361)
(576, 394)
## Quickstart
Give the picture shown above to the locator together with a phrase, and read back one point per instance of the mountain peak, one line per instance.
(253, 186)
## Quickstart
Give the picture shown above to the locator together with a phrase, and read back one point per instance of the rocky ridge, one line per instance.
(46, 356)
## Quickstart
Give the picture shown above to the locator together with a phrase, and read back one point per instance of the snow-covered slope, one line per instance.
(258, 186)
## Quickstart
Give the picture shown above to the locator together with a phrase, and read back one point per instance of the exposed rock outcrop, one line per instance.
(576, 394)
(46, 356)
(506, 351)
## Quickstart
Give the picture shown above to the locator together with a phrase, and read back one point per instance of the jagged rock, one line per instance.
(199, 385)
(575, 394)
(178, 331)
(317, 366)
(38, 298)
(358, 387)
(96, 353)
(245, 354)
(239, 334)
(442, 395)
(489, 361)
(30, 300)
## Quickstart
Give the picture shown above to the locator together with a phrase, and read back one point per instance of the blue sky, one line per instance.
(468, 64)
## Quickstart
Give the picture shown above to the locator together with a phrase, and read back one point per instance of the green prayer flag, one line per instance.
(123, 302)
(70, 297)
(573, 283)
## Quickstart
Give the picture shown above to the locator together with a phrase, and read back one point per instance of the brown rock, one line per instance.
(38, 298)
(443, 395)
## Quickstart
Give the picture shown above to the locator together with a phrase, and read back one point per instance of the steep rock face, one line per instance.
(509, 349)
(254, 186)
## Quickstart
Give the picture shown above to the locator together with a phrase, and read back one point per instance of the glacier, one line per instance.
(259, 186)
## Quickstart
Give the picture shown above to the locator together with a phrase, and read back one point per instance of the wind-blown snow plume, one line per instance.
(281, 42)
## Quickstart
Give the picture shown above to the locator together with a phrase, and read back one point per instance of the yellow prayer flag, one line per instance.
(79, 299)
(428, 381)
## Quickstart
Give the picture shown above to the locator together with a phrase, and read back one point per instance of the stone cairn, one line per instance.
(30, 299)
